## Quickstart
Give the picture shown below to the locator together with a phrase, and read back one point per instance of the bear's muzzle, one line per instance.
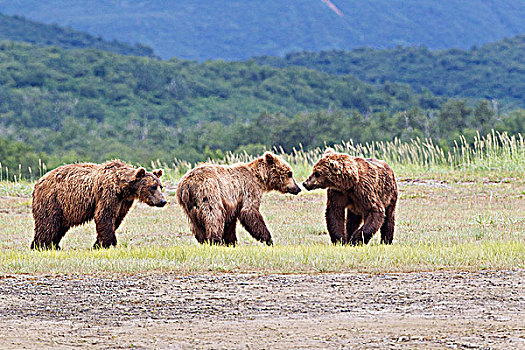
(294, 190)
(308, 186)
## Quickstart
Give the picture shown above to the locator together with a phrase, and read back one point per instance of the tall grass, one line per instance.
(493, 155)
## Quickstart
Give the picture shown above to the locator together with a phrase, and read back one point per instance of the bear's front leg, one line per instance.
(353, 221)
(124, 208)
(253, 222)
(105, 224)
(335, 215)
(372, 222)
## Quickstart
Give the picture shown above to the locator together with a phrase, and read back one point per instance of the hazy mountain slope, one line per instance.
(492, 71)
(17, 28)
(238, 29)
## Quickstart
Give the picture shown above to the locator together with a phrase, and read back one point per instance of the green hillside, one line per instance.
(492, 71)
(71, 105)
(239, 29)
(17, 28)
(43, 90)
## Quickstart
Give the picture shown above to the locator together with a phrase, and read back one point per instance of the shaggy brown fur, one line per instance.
(73, 194)
(215, 196)
(366, 188)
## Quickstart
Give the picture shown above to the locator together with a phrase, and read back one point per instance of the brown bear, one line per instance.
(73, 194)
(366, 188)
(215, 196)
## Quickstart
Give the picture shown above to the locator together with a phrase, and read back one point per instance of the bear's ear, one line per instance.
(328, 151)
(269, 158)
(158, 172)
(140, 173)
(335, 167)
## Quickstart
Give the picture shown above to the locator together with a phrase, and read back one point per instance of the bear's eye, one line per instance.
(289, 174)
(153, 188)
(316, 174)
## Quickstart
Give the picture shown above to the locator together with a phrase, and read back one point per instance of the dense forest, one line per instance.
(492, 71)
(239, 29)
(18, 28)
(69, 105)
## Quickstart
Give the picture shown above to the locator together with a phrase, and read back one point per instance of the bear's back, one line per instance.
(229, 183)
(382, 178)
(63, 176)
(224, 173)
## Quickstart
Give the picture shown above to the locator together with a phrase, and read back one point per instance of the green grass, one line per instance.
(462, 212)
(464, 226)
(279, 259)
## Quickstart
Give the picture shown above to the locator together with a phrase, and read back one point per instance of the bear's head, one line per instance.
(147, 187)
(334, 170)
(279, 174)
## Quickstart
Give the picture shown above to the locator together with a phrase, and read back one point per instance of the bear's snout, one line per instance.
(162, 203)
(294, 190)
(308, 186)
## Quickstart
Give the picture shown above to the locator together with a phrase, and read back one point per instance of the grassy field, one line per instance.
(452, 214)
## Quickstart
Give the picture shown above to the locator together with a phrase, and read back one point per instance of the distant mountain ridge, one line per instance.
(17, 28)
(492, 71)
(239, 29)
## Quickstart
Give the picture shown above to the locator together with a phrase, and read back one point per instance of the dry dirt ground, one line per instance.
(437, 310)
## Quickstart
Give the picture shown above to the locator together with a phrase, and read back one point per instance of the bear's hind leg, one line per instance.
(213, 220)
(42, 240)
(199, 232)
(48, 233)
(197, 227)
(387, 230)
(214, 229)
(230, 237)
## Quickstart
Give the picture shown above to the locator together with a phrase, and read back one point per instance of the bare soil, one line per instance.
(428, 310)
